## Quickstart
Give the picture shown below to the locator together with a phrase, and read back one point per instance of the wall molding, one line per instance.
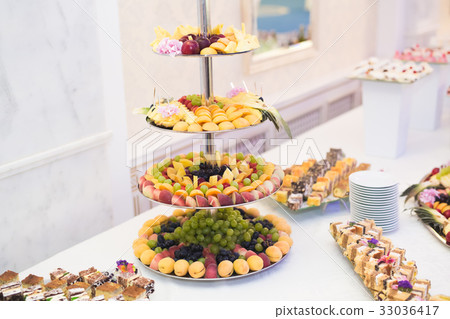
(54, 154)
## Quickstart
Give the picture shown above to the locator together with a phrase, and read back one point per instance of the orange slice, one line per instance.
(196, 192)
(256, 183)
(201, 108)
(165, 186)
(202, 119)
(224, 181)
(207, 184)
(213, 192)
(214, 107)
(240, 177)
(264, 177)
(246, 189)
(229, 190)
(182, 192)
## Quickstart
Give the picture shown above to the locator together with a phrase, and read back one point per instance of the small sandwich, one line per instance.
(62, 274)
(78, 294)
(109, 290)
(421, 288)
(85, 273)
(56, 284)
(11, 291)
(55, 295)
(144, 283)
(32, 280)
(8, 276)
(125, 278)
(133, 293)
(79, 285)
(34, 293)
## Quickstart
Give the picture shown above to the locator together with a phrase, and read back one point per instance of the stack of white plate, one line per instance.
(374, 195)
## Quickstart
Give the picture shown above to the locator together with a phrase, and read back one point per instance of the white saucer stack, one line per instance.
(374, 195)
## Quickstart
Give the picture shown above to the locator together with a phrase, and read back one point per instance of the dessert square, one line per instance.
(134, 293)
(109, 290)
(32, 280)
(56, 284)
(8, 276)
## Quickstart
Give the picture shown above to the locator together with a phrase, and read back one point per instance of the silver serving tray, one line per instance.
(204, 56)
(234, 276)
(439, 237)
(202, 132)
(326, 201)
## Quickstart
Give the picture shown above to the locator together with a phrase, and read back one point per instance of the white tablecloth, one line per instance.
(315, 269)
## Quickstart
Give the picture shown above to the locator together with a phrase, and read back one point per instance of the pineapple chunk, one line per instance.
(177, 166)
(228, 175)
(181, 172)
(195, 181)
(213, 180)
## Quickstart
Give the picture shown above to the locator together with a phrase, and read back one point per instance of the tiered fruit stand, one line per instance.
(210, 156)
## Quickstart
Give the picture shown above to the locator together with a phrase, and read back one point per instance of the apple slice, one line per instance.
(178, 200)
(213, 201)
(201, 201)
(224, 200)
(237, 198)
(263, 190)
(276, 181)
(270, 186)
(148, 191)
(165, 197)
(248, 197)
(258, 194)
(190, 201)
(156, 193)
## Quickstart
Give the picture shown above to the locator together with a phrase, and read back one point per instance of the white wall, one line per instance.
(55, 140)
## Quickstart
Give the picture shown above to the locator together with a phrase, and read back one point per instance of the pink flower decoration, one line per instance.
(170, 47)
(168, 110)
(234, 91)
(429, 195)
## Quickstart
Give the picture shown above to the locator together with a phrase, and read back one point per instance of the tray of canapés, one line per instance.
(209, 245)
(125, 283)
(189, 180)
(188, 41)
(315, 183)
(431, 200)
(191, 114)
(383, 267)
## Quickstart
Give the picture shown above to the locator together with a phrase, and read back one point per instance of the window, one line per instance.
(282, 24)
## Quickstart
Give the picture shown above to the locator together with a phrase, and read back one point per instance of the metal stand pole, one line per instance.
(206, 77)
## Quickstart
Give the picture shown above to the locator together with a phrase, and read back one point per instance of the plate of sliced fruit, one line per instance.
(188, 41)
(315, 183)
(209, 245)
(431, 200)
(189, 180)
(191, 114)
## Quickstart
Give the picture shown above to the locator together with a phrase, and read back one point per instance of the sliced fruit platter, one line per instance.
(190, 113)
(190, 181)
(188, 41)
(432, 202)
(223, 243)
(314, 183)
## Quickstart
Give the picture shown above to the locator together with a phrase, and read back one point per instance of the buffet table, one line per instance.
(315, 268)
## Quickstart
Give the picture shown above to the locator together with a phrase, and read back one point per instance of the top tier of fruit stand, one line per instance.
(206, 73)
